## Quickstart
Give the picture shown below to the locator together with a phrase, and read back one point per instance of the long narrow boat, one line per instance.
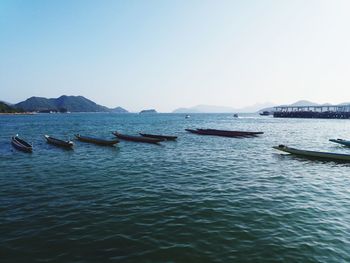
(163, 137)
(137, 138)
(224, 133)
(96, 140)
(341, 141)
(206, 132)
(231, 132)
(21, 144)
(313, 154)
(58, 142)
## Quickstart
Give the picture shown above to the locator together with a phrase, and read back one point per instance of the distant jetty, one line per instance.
(322, 112)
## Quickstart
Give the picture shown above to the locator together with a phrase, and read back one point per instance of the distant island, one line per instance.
(148, 111)
(62, 104)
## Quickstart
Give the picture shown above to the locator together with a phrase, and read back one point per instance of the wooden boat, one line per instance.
(137, 138)
(57, 142)
(233, 132)
(21, 144)
(96, 140)
(341, 141)
(163, 137)
(224, 133)
(313, 154)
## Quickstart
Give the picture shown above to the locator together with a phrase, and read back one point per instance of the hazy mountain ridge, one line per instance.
(301, 103)
(221, 109)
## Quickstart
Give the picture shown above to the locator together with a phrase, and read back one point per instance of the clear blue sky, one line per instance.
(167, 54)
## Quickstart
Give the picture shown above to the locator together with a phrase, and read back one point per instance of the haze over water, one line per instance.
(199, 199)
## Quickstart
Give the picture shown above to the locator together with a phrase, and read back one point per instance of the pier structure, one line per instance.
(322, 111)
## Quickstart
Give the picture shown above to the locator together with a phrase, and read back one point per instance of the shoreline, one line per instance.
(17, 113)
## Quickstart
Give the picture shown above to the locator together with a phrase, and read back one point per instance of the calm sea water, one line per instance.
(200, 199)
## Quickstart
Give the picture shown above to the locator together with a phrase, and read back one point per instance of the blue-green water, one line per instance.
(200, 199)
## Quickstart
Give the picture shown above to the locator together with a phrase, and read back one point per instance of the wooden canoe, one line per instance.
(58, 142)
(314, 154)
(21, 144)
(224, 133)
(137, 138)
(341, 141)
(96, 140)
(163, 137)
(231, 132)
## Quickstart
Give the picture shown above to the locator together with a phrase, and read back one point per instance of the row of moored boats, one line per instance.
(22, 145)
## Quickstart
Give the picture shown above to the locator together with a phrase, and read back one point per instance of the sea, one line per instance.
(197, 199)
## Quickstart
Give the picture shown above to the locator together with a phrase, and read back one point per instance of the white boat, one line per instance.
(314, 154)
(341, 141)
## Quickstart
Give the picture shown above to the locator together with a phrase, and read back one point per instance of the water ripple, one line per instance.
(200, 199)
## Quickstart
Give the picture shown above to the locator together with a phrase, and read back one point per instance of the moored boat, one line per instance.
(58, 142)
(313, 154)
(137, 138)
(264, 113)
(232, 132)
(224, 133)
(96, 140)
(163, 137)
(341, 141)
(21, 144)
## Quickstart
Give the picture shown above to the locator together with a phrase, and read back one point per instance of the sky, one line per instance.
(166, 54)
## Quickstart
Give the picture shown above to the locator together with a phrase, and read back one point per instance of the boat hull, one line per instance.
(162, 137)
(314, 154)
(224, 133)
(21, 145)
(137, 138)
(59, 143)
(96, 140)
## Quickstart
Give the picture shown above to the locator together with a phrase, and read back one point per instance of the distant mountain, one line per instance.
(63, 103)
(221, 109)
(186, 110)
(256, 107)
(205, 109)
(119, 110)
(5, 108)
(304, 103)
